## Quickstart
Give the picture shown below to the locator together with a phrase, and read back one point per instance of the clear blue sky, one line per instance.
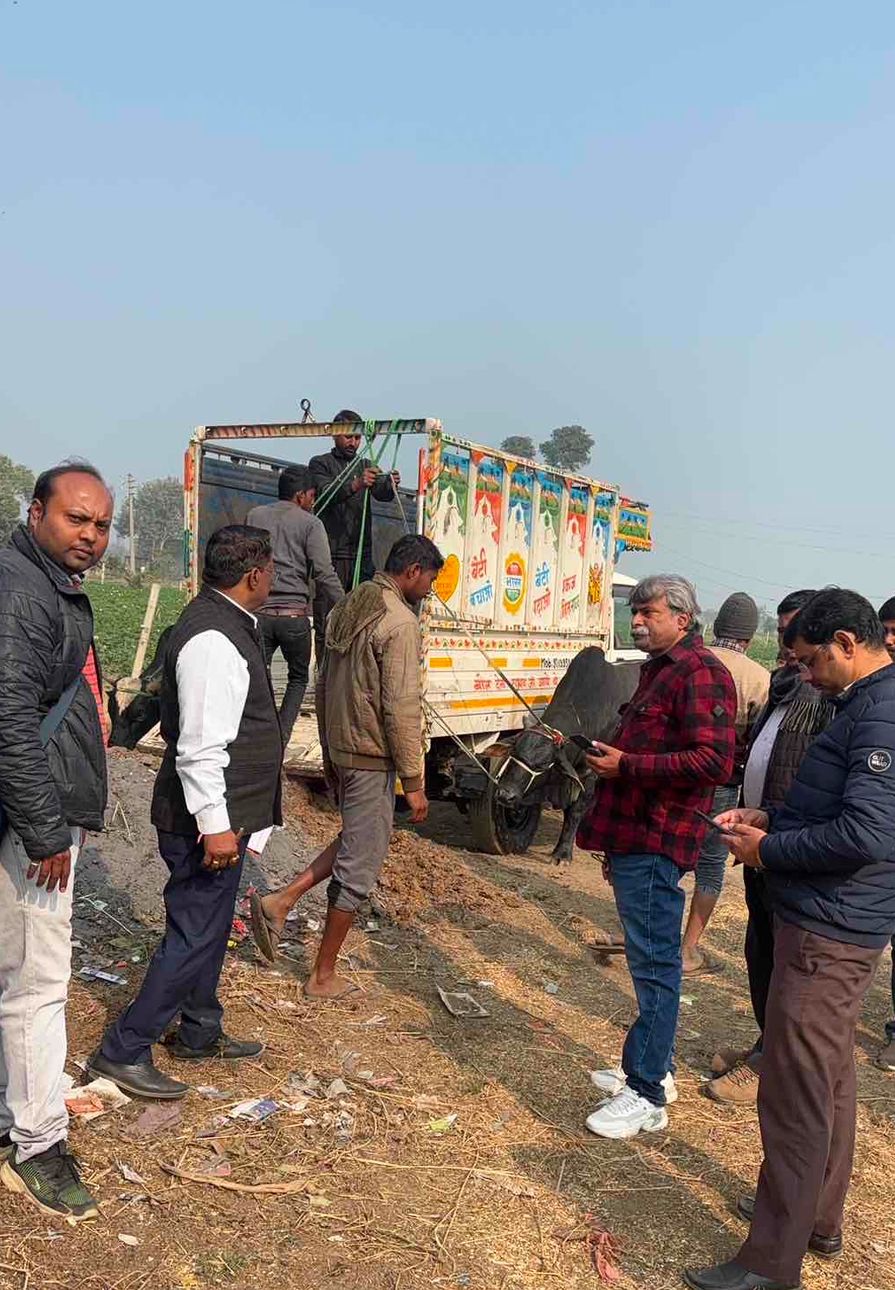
(672, 223)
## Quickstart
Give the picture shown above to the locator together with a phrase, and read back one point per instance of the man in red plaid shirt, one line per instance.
(673, 745)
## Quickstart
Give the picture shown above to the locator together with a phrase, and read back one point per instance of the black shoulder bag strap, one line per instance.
(48, 727)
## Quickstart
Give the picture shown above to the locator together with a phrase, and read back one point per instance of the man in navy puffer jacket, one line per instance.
(828, 856)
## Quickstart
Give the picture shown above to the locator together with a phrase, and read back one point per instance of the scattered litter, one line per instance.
(444, 1125)
(97, 904)
(338, 1088)
(131, 1175)
(308, 1084)
(156, 1119)
(293, 916)
(215, 1167)
(313, 924)
(688, 1034)
(97, 974)
(94, 1099)
(460, 1003)
(378, 1020)
(344, 1125)
(256, 1109)
(485, 985)
(687, 1000)
(299, 1106)
(371, 925)
(601, 1247)
(126, 1239)
(213, 1129)
(349, 1059)
(462, 1279)
(209, 1090)
(379, 1081)
(240, 929)
(319, 1202)
(77, 945)
(550, 987)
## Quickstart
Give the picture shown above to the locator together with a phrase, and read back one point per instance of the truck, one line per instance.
(529, 579)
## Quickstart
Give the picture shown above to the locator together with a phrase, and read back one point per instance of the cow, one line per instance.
(587, 702)
(131, 723)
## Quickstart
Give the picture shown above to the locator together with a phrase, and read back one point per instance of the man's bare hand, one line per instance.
(605, 761)
(419, 805)
(221, 850)
(745, 843)
(743, 815)
(51, 873)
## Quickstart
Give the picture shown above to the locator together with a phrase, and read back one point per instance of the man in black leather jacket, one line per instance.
(51, 790)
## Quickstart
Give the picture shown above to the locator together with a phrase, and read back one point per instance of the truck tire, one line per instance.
(500, 830)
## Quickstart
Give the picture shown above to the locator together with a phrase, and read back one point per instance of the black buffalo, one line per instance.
(540, 768)
(131, 723)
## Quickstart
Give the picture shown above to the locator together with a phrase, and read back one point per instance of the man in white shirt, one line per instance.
(217, 793)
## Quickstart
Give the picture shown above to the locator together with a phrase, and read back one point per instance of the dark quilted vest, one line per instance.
(252, 777)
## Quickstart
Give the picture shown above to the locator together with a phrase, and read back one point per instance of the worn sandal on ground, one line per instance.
(264, 930)
(704, 965)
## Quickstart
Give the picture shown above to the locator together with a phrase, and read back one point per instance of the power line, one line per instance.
(790, 544)
(734, 578)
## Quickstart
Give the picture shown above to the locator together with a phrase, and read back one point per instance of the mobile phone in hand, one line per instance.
(707, 819)
(582, 741)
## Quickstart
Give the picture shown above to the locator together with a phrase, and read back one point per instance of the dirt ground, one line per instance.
(453, 1152)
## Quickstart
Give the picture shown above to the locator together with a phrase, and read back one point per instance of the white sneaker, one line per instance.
(625, 1115)
(614, 1080)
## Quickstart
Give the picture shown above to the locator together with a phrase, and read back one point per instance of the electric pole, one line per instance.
(130, 522)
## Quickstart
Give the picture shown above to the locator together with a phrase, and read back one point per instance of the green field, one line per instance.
(764, 650)
(118, 615)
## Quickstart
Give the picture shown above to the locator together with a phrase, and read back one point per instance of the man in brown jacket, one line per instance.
(369, 709)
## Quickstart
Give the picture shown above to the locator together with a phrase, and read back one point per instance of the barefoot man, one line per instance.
(370, 716)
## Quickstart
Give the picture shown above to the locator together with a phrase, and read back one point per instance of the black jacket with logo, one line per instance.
(46, 630)
(830, 853)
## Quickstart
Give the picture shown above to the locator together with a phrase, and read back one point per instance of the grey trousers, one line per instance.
(35, 966)
(367, 806)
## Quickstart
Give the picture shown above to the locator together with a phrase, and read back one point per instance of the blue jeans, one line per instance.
(650, 904)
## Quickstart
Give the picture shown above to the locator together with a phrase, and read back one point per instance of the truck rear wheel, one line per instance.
(501, 830)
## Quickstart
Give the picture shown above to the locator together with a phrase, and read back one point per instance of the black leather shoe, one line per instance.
(732, 1276)
(142, 1078)
(232, 1050)
(825, 1247)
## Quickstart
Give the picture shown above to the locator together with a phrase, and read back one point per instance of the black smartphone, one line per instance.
(707, 819)
(582, 741)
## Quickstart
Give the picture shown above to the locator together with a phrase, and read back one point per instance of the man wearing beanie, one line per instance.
(735, 625)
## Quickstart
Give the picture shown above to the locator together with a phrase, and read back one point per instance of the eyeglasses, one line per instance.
(807, 664)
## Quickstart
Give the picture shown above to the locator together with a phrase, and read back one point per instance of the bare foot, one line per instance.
(331, 987)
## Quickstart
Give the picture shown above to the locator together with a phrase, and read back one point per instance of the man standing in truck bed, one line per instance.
(345, 510)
